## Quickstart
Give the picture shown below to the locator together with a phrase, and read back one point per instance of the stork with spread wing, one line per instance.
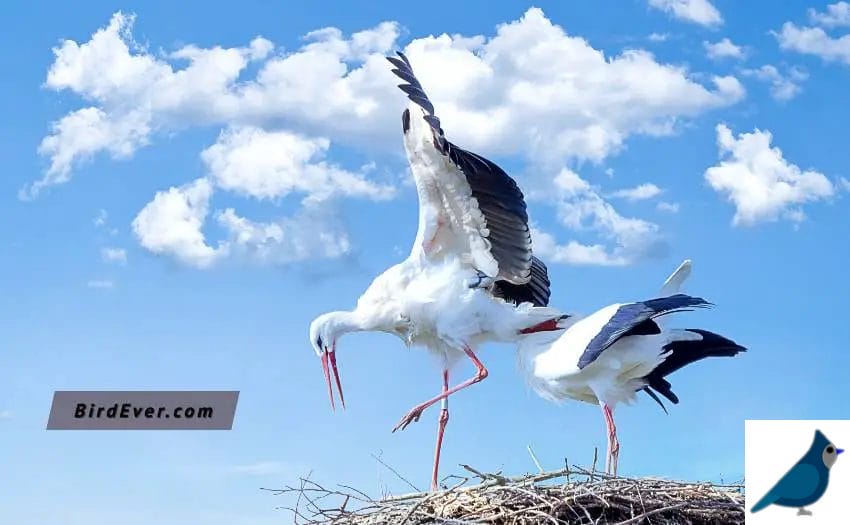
(470, 277)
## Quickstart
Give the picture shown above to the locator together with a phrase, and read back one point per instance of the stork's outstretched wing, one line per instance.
(474, 199)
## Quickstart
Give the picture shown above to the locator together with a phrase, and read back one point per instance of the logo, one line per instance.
(795, 472)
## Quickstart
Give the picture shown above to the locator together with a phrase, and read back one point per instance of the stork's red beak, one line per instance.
(330, 357)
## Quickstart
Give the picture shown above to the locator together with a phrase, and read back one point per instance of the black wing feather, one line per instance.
(535, 291)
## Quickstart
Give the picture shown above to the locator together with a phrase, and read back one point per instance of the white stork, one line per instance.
(610, 355)
(470, 276)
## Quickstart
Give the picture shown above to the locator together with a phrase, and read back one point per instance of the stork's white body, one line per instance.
(433, 305)
(549, 361)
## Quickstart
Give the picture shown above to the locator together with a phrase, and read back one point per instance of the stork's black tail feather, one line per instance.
(683, 353)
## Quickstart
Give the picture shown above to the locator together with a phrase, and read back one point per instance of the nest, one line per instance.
(568, 496)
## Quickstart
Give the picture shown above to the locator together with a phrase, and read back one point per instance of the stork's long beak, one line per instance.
(329, 357)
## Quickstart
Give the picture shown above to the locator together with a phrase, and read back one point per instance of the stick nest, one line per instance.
(571, 495)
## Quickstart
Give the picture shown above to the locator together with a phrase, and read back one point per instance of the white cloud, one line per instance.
(658, 37)
(137, 93)
(263, 164)
(638, 193)
(670, 207)
(837, 14)
(535, 90)
(528, 89)
(760, 182)
(568, 99)
(724, 48)
(261, 468)
(573, 252)
(82, 133)
(309, 235)
(700, 12)
(582, 209)
(814, 41)
(782, 87)
(118, 255)
(101, 283)
(845, 183)
(171, 224)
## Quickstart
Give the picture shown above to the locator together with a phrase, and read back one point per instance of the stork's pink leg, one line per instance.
(613, 452)
(416, 411)
(441, 428)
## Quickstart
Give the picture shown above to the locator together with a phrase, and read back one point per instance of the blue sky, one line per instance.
(186, 190)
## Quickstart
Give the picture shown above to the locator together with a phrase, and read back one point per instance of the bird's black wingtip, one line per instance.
(394, 61)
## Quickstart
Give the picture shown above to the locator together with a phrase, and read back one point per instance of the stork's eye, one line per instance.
(319, 342)
(830, 449)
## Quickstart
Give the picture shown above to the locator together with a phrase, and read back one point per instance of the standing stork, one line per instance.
(470, 276)
(609, 356)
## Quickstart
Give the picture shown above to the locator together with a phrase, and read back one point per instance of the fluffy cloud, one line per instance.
(264, 164)
(535, 90)
(581, 208)
(723, 49)
(837, 14)
(814, 41)
(782, 87)
(308, 235)
(760, 182)
(700, 12)
(638, 193)
(569, 99)
(529, 89)
(173, 225)
(79, 135)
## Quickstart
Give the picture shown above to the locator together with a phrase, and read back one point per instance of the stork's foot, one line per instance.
(412, 416)
(804, 512)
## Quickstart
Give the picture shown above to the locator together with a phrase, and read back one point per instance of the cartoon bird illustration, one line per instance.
(806, 482)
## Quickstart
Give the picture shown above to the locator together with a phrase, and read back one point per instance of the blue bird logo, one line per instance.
(807, 480)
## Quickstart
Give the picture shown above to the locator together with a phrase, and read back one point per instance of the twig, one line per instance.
(534, 458)
(379, 460)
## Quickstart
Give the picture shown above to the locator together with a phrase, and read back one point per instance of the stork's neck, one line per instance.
(343, 322)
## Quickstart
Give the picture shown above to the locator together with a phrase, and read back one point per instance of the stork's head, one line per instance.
(324, 331)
